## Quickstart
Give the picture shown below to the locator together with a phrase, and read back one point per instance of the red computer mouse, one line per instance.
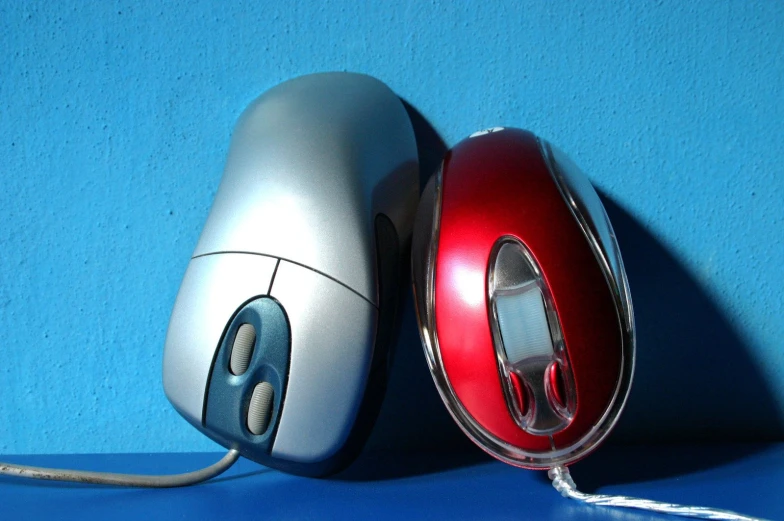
(522, 300)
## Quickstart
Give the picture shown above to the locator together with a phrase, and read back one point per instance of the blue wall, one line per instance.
(115, 119)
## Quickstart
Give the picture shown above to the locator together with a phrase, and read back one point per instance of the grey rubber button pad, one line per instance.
(260, 407)
(242, 349)
(229, 395)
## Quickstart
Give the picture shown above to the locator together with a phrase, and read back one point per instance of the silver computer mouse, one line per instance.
(278, 342)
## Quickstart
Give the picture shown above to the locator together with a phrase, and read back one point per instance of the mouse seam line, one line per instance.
(272, 280)
(363, 297)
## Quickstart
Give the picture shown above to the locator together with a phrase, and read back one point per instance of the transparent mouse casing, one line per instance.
(522, 300)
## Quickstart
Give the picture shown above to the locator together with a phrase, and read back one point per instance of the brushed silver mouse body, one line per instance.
(278, 339)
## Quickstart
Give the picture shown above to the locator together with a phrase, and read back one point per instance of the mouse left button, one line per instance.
(213, 287)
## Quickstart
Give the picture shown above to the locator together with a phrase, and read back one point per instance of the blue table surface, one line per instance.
(435, 485)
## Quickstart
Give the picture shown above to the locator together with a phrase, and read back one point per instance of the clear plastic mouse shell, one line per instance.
(536, 375)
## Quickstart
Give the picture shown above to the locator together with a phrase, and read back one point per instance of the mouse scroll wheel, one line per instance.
(242, 349)
(260, 408)
(522, 322)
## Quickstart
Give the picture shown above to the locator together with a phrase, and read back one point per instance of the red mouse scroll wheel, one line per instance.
(555, 379)
(519, 392)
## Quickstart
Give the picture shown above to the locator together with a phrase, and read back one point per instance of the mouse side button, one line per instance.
(212, 289)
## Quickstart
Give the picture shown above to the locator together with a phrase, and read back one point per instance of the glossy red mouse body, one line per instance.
(522, 300)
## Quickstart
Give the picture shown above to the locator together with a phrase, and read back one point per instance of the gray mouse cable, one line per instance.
(563, 483)
(126, 480)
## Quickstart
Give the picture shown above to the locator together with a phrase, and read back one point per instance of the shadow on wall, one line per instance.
(412, 416)
(430, 146)
(694, 378)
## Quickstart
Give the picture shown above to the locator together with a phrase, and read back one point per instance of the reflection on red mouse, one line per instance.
(522, 300)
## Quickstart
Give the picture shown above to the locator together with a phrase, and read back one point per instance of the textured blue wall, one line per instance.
(115, 119)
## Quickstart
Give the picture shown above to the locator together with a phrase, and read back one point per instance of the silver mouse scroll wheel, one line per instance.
(242, 349)
(260, 408)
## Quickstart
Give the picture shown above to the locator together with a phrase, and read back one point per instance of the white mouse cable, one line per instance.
(563, 483)
(122, 480)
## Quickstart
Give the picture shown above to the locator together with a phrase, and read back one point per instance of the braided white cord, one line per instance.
(563, 483)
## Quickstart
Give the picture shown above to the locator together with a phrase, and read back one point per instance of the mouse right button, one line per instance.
(332, 334)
